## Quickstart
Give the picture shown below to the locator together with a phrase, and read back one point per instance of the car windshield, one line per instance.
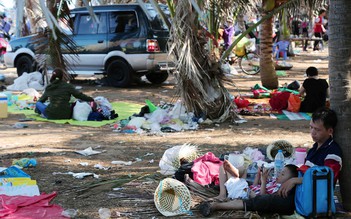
(156, 21)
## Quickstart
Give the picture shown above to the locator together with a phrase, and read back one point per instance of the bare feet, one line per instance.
(205, 209)
(187, 179)
(229, 168)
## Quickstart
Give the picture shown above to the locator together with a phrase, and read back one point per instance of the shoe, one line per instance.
(205, 209)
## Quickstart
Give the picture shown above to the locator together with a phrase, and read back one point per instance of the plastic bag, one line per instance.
(294, 103)
(295, 85)
(137, 122)
(237, 188)
(279, 100)
(81, 111)
(241, 102)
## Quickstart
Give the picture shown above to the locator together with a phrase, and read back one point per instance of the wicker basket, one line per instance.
(172, 198)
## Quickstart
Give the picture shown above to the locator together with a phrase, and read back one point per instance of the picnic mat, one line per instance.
(124, 110)
(264, 107)
(287, 115)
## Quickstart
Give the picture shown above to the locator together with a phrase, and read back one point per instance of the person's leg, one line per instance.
(236, 204)
(229, 168)
(207, 208)
(317, 42)
(305, 46)
(41, 107)
(222, 189)
(271, 203)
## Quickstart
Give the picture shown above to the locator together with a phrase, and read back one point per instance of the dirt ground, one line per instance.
(54, 146)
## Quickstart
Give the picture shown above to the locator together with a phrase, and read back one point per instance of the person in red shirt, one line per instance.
(319, 29)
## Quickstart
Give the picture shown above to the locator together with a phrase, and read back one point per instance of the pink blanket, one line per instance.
(206, 169)
(21, 207)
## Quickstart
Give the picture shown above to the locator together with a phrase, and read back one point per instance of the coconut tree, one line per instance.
(269, 78)
(193, 42)
(340, 83)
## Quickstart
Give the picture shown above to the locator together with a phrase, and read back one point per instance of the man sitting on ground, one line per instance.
(325, 152)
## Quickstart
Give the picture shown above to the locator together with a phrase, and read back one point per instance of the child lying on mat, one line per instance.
(264, 202)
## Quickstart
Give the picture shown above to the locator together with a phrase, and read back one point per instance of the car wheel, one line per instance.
(157, 78)
(24, 64)
(119, 74)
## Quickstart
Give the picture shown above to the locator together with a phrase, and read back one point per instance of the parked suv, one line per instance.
(129, 41)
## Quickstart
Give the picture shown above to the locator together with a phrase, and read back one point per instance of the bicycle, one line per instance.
(248, 61)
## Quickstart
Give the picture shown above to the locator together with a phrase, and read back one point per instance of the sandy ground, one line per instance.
(54, 145)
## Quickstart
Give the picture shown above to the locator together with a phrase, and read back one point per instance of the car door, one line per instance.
(124, 32)
(127, 38)
(91, 41)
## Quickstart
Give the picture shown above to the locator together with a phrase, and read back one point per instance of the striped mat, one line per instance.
(287, 115)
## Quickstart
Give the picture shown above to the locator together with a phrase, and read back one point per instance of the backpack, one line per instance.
(315, 195)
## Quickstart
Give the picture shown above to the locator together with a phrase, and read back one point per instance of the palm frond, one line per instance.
(50, 43)
(199, 78)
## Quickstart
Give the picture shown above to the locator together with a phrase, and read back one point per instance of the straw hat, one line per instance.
(172, 198)
(285, 146)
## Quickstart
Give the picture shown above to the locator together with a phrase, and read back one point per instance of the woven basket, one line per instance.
(172, 198)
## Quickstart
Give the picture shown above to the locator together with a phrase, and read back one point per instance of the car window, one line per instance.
(123, 22)
(63, 23)
(156, 20)
(88, 26)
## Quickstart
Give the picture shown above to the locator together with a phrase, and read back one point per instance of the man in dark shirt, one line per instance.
(315, 91)
(325, 151)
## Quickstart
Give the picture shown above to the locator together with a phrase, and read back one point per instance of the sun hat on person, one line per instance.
(172, 198)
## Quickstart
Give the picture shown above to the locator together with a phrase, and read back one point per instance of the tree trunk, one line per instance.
(340, 76)
(31, 18)
(269, 78)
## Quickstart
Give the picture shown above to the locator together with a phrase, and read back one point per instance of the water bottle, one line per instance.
(278, 163)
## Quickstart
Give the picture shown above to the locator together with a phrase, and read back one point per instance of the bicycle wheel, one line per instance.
(250, 63)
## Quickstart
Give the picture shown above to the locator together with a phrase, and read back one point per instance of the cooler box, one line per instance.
(3, 106)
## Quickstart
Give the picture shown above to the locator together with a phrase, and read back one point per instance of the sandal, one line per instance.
(205, 209)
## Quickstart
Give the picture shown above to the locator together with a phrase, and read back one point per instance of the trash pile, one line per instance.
(20, 196)
(33, 80)
(163, 118)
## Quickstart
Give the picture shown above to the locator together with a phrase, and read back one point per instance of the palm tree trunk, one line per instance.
(269, 78)
(32, 22)
(340, 94)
